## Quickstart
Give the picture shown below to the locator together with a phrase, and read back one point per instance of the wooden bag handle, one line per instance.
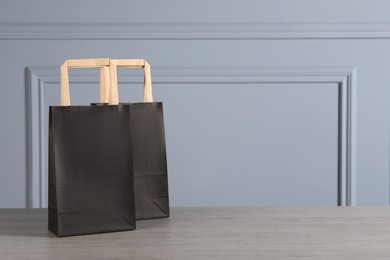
(139, 63)
(103, 64)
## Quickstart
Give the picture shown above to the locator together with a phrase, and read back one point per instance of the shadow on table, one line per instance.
(24, 223)
(26, 231)
(34, 223)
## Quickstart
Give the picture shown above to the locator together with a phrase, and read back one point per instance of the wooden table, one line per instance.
(211, 233)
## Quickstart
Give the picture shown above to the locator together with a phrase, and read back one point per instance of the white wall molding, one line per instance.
(345, 77)
(191, 31)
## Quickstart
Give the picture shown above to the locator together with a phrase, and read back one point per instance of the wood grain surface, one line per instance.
(211, 233)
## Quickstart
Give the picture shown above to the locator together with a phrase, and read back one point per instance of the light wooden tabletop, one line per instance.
(212, 233)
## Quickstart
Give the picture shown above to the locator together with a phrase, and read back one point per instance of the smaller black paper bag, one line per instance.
(149, 160)
(91, 183)
(148, 144)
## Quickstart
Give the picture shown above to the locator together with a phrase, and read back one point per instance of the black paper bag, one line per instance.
(149, 160)
(91, 183)
(148, 143)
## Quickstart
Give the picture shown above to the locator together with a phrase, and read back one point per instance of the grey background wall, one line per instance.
(266, 102)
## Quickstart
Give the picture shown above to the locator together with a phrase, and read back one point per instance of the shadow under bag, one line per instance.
(91, 183)
(148, 146)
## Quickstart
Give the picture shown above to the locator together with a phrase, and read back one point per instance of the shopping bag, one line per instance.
(148, 145)
(91, 184)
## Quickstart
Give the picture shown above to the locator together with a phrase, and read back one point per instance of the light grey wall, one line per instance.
(258, 125)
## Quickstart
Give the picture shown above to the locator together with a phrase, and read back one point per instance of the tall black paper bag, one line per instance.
(91, 185)
(148, 143)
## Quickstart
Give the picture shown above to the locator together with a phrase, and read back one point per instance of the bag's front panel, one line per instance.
(93, 169)
(149, 157)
